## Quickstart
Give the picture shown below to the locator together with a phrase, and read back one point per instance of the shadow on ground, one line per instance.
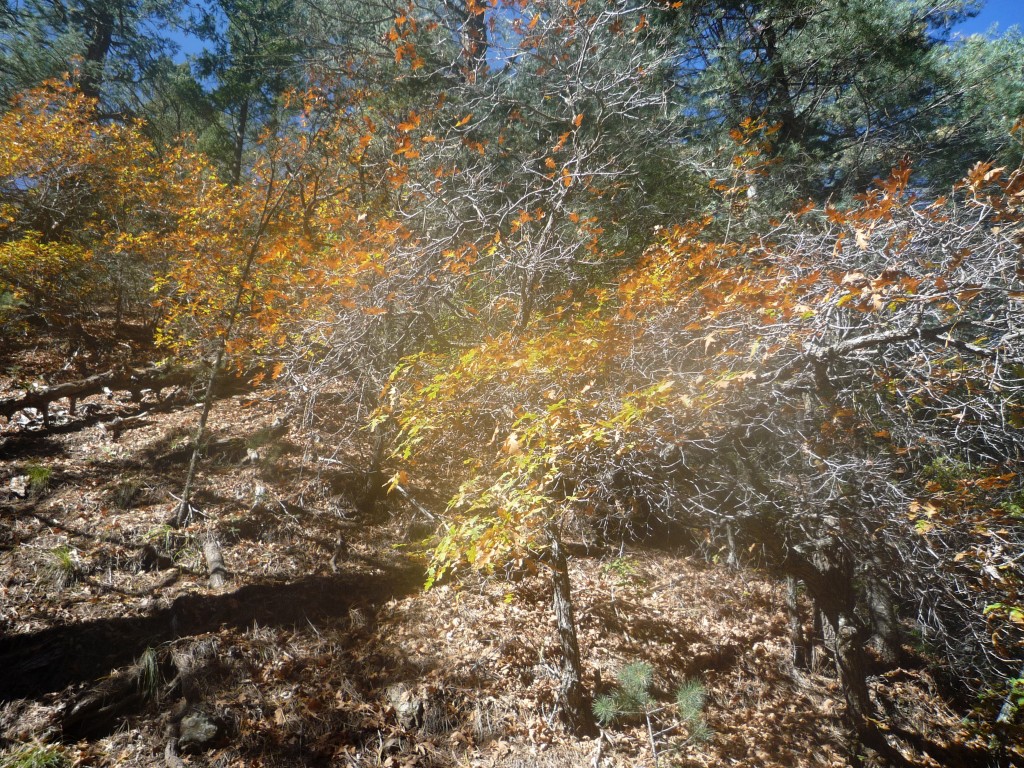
(38, 663)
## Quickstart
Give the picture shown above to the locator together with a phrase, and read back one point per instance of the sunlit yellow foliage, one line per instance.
(81, 203)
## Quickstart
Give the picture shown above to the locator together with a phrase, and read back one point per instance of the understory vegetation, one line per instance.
(506, 383)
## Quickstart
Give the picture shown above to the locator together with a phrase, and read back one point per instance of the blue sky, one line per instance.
(1005, 13)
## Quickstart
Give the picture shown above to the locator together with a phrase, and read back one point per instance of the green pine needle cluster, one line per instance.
(690, 698)
(632, 696)
(632, 699)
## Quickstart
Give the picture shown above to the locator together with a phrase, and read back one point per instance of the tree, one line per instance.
(978, 125)
(82, 204)
(254, 62)
(852, 85)
(118, 42)
(843, 390)
(259, 268)
(528, 176)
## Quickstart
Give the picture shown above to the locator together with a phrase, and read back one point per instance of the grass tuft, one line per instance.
(39, 479)
(63, 568)
(35, 755)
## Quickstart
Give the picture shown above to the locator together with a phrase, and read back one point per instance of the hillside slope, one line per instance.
(324, 650)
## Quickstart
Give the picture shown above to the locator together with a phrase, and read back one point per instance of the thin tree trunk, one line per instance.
(373, 491)
(732, 559)
(797, 638)
(184, 512)
(817, 642)
(1010, 707)
(574, 698)
(1004, 726)
(527, 292)
(239, 148)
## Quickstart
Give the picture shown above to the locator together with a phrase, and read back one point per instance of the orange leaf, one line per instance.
(412, 123)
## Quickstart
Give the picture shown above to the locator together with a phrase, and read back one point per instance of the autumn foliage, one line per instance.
(844, 390)
(83, 204)
(835, 389)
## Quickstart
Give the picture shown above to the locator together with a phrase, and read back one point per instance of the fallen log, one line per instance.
(155, 378)
(133, 380)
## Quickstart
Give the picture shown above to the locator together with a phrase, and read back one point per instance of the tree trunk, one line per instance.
(818, 642)
(133, 380)
(574, 698)
(885, 623)
(852, 668)
(184, 512)
(831, 583)
(1010, 708)
(98, 25)
(373, 492)
(239, 148)
(798, 640)
(860, 710)
(527, 292)
(732, 559)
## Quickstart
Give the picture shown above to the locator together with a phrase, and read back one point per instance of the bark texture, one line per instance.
(574, 698)
(797, 637)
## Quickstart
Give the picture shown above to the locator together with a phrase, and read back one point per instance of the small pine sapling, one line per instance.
(632, 700)
(690, 699)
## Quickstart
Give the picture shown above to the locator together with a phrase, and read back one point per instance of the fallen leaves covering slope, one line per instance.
(324, 651)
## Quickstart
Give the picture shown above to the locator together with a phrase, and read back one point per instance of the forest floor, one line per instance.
(324, 649)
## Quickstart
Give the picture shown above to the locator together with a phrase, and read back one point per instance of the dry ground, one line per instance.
(323, 649)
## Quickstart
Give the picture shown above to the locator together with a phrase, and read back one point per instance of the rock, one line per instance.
(19, 486)
(407, 705)
(197, 732)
